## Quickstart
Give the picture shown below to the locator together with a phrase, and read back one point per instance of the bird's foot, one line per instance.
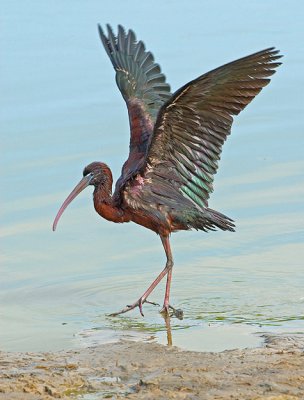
(139, 303)
(170, 311)
(152, 302)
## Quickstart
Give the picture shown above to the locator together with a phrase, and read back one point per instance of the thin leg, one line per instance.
(166, 244)
(139, 303)
(178, 313)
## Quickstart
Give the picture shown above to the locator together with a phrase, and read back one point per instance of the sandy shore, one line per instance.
(136, 370)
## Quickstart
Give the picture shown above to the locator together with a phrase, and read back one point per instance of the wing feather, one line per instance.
(143, 87)
(192, 127)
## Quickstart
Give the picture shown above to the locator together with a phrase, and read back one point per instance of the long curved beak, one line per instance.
(77, 189)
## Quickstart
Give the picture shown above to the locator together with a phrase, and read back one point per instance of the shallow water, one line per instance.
(62, 110)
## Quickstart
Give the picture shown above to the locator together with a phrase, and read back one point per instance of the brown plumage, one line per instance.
(175, 143)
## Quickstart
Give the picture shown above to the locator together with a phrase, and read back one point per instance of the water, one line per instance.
(61, 110)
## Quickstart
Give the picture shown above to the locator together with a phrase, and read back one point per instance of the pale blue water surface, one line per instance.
(60, 110)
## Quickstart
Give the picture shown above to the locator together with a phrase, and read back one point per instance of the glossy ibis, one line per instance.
(175, 145)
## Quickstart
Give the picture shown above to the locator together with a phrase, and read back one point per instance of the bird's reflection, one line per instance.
(167, 319)
(177, 313)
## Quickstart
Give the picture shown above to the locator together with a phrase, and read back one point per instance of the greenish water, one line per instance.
(61, 110)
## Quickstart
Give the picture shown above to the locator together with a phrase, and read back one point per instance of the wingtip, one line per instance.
(275, 52)
(121, 28)
(110, 29)
(100, 30)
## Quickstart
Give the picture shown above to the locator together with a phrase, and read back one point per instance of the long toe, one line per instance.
(139, 303)
(172, 312)
(152, 302)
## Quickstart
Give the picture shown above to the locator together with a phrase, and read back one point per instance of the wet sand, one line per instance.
(137, 370)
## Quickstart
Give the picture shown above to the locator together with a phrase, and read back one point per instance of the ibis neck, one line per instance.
(104, 204)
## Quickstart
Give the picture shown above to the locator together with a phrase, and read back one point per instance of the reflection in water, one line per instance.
(176, 313)
(203, 337)
(167, 319)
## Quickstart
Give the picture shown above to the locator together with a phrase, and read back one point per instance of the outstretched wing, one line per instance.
(143, 88)
(192, 127)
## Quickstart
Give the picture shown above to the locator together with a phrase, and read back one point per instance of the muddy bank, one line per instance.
(136, 370)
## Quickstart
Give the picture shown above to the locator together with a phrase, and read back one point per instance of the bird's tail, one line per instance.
(213, 219)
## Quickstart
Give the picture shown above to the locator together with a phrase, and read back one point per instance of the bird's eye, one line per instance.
(88, 174)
